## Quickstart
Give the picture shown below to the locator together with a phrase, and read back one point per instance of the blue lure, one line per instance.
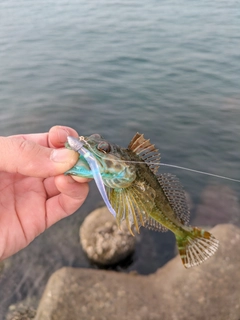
(78, 146)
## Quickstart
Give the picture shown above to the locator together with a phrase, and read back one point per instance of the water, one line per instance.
(168, 69)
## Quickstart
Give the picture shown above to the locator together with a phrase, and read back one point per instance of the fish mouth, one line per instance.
(82, 162)
(109, 165)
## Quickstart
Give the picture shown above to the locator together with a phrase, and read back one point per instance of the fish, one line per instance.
(143, 197)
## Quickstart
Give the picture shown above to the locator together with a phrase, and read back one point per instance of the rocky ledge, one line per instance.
(102, 241)
(210, 291)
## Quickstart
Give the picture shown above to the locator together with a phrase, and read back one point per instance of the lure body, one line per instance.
(143, 197)
(77, 145)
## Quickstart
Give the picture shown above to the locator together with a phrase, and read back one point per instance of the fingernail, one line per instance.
(70, 180)
(62, 134)
(61, 155)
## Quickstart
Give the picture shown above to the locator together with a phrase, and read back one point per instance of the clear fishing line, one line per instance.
(200, 172)
(166, 165)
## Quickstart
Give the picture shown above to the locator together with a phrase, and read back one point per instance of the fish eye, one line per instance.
(95, 136)
(104, 147)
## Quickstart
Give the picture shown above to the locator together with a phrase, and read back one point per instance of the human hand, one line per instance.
(34, 193)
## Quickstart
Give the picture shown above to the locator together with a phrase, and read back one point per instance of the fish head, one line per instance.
(114, 163)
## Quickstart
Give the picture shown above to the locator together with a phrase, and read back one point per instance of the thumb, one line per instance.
(29, 158)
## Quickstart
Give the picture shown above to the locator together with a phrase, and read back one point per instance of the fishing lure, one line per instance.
(77, 146)
(141, 196)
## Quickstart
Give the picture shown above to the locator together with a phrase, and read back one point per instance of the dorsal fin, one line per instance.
(146, 150)
(175, 195)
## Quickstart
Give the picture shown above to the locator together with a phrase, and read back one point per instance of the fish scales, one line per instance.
(162, 210)
(144, 198)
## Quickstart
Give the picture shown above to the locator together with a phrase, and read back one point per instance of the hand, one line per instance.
(34, 193)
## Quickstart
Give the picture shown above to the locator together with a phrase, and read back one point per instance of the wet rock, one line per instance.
(209, 291)
(102, 240)
(20, 311)
(219, 204)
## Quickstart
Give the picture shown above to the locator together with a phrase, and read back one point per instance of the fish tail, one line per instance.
(196, 247)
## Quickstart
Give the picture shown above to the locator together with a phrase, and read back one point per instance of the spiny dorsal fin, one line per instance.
(134, 204)
(175, 195)
(146, 150)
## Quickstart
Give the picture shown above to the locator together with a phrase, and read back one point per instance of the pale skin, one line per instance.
(34, 192)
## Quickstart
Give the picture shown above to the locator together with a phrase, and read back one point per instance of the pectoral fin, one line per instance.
(134, 204)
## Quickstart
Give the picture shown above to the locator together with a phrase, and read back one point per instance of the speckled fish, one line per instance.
(142, 197)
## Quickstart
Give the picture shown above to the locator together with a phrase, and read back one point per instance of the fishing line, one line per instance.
(200, 172)
(162, 164)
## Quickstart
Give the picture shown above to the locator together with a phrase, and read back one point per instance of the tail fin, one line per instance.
(196, 247)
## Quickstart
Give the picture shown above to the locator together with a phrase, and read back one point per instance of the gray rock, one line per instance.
(20, 311)
(210, 291)
(102, 240)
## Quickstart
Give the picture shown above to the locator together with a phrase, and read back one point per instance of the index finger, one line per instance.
(55, 138)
